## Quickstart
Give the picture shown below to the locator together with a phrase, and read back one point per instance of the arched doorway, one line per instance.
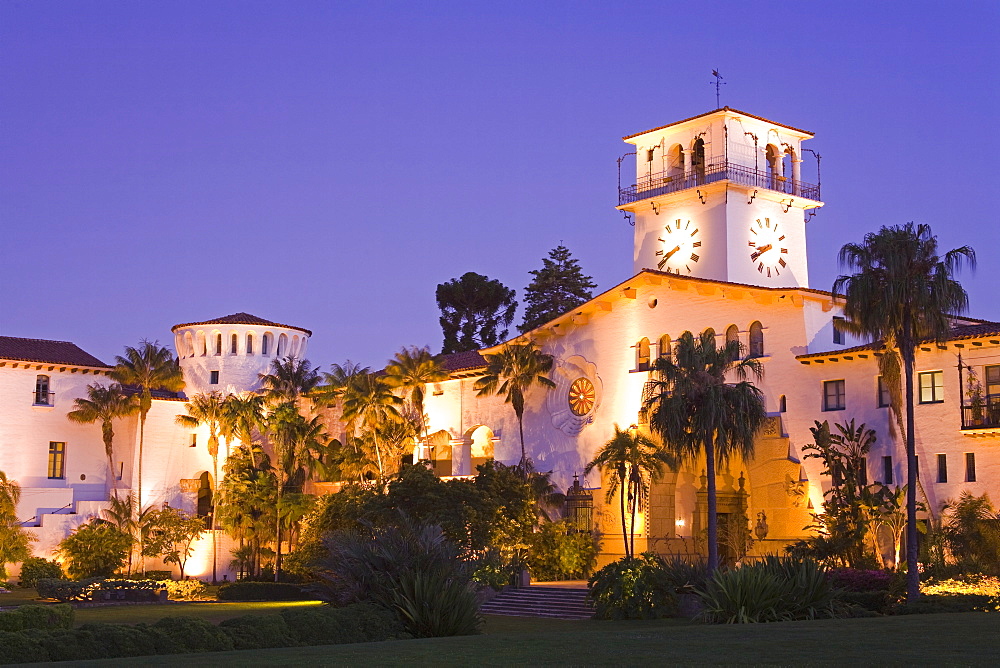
(205, 500)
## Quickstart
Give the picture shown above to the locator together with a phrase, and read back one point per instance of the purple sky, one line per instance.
(327, 164)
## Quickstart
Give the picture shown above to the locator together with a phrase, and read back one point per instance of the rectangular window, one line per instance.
(931, 387)
(916, 465)
(863, 472)
(213, 377)
(649, 155)
(834, 396)
(57, 460)
(121, 470)
(970, 467)
(42, 391)
(887, 470)
(838, 334)
(993, 381)
(194, 440)
(884, 398)
(942, 461)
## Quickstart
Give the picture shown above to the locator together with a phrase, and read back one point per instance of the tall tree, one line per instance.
(105, 404)
(631, 462)
(696, 411)
(289, 379)
(412, 369)
(14, 540)
(901, 293)
(369, 403)
(208, 409)
(293, 437)
(511, 373)
(149, 367)
(556, 288)
(475, 312)
(243, 419)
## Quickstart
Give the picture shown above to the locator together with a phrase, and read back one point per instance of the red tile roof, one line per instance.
(241, 319)
(41, 350)
(959, 333)
(464, 361)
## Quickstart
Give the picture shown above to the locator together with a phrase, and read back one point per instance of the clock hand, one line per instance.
(667, 256)
(761, 251)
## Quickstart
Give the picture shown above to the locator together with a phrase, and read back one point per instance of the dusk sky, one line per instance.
(327, 164)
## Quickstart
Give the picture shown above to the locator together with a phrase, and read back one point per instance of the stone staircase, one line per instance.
(556, 602)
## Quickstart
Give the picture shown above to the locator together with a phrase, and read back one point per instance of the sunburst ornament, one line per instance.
(581, 396)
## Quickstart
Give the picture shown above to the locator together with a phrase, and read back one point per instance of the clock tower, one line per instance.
(721, 196)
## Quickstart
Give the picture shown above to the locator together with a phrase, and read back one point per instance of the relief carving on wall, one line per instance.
(576, 396)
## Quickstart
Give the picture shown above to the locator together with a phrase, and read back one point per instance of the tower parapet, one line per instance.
(228, 354)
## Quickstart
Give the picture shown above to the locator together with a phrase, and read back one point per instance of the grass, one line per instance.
(968, 639)
(213, 611)
(18, 596)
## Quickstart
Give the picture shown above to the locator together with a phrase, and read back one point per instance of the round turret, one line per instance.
(228, 354)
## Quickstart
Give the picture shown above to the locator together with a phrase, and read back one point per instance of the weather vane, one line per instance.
(717, 83)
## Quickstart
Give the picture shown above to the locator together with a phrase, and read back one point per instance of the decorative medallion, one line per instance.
(581, 396)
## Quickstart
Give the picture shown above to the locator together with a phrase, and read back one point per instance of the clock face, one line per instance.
(681, 247)
(767, 247)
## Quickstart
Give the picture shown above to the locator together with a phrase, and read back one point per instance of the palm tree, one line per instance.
(243, 417)
(903, 292)
(14, 540)
(511, 373)
(413, 369)
(121, 514)
(369, 403)
(149, 367)
(290, 378)
(631, 462)
(695, 410)
(293, 437)
(209, 410)
(105, 403)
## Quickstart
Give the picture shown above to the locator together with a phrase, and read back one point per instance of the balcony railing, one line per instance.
(654, 185)
(986, 416)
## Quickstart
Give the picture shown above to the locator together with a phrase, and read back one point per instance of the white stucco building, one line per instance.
(720, 207)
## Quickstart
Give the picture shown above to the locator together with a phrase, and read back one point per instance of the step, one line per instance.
(549, 602)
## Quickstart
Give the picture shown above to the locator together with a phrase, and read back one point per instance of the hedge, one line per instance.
(261, 591)
(321, 625)
(37, 617)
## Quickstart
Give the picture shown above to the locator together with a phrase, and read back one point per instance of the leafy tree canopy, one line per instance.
(475, 312)
(556, 288)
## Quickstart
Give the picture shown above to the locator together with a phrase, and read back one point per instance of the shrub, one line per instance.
(261, 591)
(122, 640)
(20, 648)
(11, 621)
(634, 588)
(64, 590)
(258, 632)
(861, 580)
(34, 568)
(46, 616)
(193, 634)
(775, 589)
(67, 644)
(876, 601)
(156, 575)
(184, 590)
(556, 554)
(95, 549)
(380, 565)
(327, 625)
(935, 603)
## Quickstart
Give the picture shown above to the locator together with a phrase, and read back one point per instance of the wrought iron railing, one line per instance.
(663, 183)
(983, 416)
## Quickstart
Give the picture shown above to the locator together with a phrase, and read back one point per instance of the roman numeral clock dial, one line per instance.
(680, 247)
(767, 247)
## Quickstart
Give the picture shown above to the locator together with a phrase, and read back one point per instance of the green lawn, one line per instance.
(966, 639)
(213, 611)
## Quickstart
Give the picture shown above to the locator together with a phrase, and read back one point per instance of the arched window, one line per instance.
(42, 395)
(698, 160)
(664, 347)
(282, 348)
(782, 404)
(642, 355)
(774, 166)
(732, 334)
(675, 164)
(218, 344)
(188, 344)
(249, 344)
(265, 344)
(202, 345)
(756, 339)
(233, 347)
(709, 332)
